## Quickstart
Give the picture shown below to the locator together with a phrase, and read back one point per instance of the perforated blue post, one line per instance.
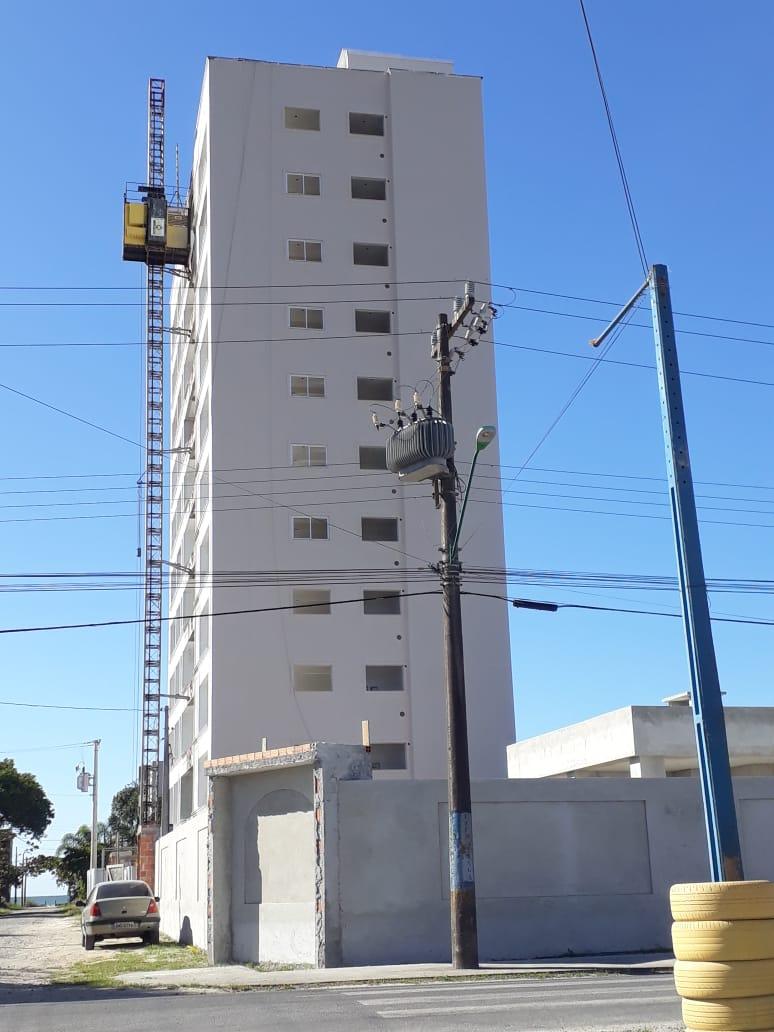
(709, 721)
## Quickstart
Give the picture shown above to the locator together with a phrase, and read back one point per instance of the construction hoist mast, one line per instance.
(154, 478)
(156, 233)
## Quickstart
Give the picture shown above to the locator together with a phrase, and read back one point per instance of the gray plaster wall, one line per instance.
(273, 867)
(562, 867)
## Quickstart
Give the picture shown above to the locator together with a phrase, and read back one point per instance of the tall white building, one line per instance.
(336, 212)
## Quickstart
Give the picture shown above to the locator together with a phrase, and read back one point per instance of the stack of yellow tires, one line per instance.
(723, 940)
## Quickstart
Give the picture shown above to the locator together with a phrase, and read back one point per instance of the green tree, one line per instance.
(124, 813)
(73, 856)
(24, 806)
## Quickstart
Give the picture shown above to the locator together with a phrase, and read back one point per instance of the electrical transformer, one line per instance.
(420, 450)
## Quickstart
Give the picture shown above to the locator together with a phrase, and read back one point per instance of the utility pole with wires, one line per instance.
(422, 448)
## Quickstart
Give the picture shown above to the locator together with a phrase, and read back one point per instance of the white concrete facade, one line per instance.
(263, 321)
(643, 742)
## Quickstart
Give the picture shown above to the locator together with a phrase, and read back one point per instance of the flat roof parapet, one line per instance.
(345, 762)
(371, 61)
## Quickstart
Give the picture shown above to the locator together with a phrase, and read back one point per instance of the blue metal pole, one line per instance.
(707, 704)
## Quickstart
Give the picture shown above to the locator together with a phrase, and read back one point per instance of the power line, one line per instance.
(616, 609)
(616, 146)
(195, 616)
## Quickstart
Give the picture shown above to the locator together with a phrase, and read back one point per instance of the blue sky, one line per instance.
(688, 85)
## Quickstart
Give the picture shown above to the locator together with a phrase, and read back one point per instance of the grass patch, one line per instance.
(110, 959)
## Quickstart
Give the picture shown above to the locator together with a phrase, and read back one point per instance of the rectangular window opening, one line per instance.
(311, 602)
(313, 678)
(374, 388)
(388, 755)
(307, 386)
(309, 454)
(370, 321)
(306, 318)
(310, 528)
(369, 254)
(372, 456)
(302, 183)
(384, 678)
(364, 189)
(378, 602)
(308, 251)
(302, 118)
(379, 528)
(363, 124)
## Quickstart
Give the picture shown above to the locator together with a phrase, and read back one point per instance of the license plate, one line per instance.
(125, 924)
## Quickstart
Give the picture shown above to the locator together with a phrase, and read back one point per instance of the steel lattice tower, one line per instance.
(154, 485)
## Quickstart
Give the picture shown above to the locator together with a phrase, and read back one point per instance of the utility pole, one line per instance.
(725, 854)
(462, 882)
(94, 802)
(423, 448)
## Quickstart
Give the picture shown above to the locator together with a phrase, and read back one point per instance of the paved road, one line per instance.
(607, 1003)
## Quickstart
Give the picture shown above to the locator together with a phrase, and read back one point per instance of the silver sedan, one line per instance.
(118, 909)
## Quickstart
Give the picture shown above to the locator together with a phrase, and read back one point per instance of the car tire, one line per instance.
(722, 901)
(701, 980)
(151, 938)
(723, 940)
(88, 942)
(754, 1013)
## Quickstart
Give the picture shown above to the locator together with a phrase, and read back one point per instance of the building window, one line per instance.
(309, 454)
(306, 318)
(311, 251)
(186, 795)
(203, 693)
(301, 183)
(384, 678)
(307, 386)
(313, 678)
(368, 254)
(379, 528)
(372, 456)
(362, 124)
(374, 388)
(201, 781)
(367, 321)
(368, 189)
(302, 118)
(388, 755)
(311, 601)
(310, 528)
(381, 603)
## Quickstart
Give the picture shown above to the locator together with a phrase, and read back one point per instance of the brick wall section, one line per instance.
(146, 854)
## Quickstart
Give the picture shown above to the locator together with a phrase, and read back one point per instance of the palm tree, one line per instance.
(74, 855)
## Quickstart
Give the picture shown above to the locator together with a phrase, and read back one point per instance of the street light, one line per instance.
(484, 437)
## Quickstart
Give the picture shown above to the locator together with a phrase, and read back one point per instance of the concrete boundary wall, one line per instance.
(562, 867)
(310, 861)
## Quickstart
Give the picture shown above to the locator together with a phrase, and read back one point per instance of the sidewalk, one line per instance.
(240, 976)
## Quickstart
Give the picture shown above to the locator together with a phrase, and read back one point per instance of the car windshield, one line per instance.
(122, 890)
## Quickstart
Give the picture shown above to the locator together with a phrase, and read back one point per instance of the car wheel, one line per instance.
(151, 938)
(88, 942)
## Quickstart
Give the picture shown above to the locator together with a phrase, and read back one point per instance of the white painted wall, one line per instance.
(181, 881)
(651, 740)
(435, 224)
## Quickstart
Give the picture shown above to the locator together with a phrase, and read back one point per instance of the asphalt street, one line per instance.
(600, 1003)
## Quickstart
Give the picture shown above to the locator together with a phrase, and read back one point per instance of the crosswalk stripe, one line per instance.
(502, 985)
(415, 1012)
(380, 1001)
